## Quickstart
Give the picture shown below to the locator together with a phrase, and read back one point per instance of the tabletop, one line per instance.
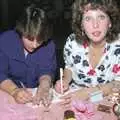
(10, 110)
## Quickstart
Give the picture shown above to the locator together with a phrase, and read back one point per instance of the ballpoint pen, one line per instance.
(22, 85)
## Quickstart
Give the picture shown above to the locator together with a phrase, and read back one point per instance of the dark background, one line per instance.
(59, 14)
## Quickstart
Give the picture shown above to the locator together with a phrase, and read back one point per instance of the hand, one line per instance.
(65, 102)
(41, 94)
(22, 96)
(58, 86)
(43, 89)
(77, 95)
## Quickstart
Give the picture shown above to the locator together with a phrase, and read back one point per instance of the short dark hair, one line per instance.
(108, 6)
(33, 23)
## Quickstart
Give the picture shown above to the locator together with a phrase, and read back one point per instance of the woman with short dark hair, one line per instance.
(27, 57)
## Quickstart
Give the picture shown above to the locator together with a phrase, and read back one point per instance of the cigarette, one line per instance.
(61, 80)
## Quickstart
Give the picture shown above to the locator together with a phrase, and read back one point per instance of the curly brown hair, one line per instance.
(108, 6)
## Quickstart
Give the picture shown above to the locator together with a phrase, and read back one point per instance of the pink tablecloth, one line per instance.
(9, 110)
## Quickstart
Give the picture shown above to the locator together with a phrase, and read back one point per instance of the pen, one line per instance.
(61, 80)
(22, 85)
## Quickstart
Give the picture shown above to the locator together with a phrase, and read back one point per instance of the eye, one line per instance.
(87, 18)
(101, 17)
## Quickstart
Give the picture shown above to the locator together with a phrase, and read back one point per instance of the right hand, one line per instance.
(22, 96)
(58, 86)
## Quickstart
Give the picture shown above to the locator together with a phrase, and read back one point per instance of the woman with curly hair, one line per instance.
(92, 51)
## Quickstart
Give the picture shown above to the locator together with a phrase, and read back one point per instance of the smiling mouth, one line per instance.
(96, 33)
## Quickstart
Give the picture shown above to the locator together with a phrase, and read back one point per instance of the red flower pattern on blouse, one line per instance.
(104, 50)
(85, 44)
(91, 72)
(116, 68)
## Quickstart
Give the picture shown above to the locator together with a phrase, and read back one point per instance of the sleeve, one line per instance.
(48, 62)
(3, 66)
(68, 52)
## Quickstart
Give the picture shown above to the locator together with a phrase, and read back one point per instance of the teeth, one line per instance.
(96, 33)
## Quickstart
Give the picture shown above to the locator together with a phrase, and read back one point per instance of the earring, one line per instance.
(83, 33)
(110, 25)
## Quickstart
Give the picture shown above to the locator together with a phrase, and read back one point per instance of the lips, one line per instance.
(96, 33)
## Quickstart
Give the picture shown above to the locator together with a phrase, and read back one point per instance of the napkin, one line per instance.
(83, 110)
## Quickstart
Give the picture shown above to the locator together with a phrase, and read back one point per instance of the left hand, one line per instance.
(41, 94)
(77, 95)
(43, 90)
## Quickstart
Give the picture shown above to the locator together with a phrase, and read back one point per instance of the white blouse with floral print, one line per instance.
(76, 59)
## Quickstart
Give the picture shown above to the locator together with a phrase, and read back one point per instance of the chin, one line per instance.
(30, 51)
(97, 40)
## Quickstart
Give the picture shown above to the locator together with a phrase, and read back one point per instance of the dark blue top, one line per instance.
(14, 65)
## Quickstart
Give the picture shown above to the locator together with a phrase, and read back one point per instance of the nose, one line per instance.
(95, 23)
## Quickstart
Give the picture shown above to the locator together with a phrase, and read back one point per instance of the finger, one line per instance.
(67, 96)
(58, 86)
(29, 92)
(65, 88)
(66, 107)
(64, 102)
(26, 96)
(36, 100)
(20, 100)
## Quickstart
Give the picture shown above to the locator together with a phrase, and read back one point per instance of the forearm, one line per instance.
(8, 86)
(108, 87)
(105, 88)
(67, 75)
(45, 81)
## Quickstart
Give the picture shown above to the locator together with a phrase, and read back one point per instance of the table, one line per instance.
(10, 110)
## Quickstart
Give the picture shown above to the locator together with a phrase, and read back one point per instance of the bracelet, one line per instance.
(14, 91)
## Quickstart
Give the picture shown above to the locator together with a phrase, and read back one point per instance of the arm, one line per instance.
(67, 74)
(6, 84)
(47, 69)
(67, 77)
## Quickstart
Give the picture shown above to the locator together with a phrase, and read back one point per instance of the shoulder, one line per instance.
(72, 43)
(10, 42)
(71, 38)
(8, 33)
(8, 36)
(49, 45)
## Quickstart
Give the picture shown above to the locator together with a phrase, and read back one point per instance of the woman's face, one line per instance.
(95, 24)
(30, 45)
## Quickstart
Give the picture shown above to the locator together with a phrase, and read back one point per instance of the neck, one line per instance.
(98, 44)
